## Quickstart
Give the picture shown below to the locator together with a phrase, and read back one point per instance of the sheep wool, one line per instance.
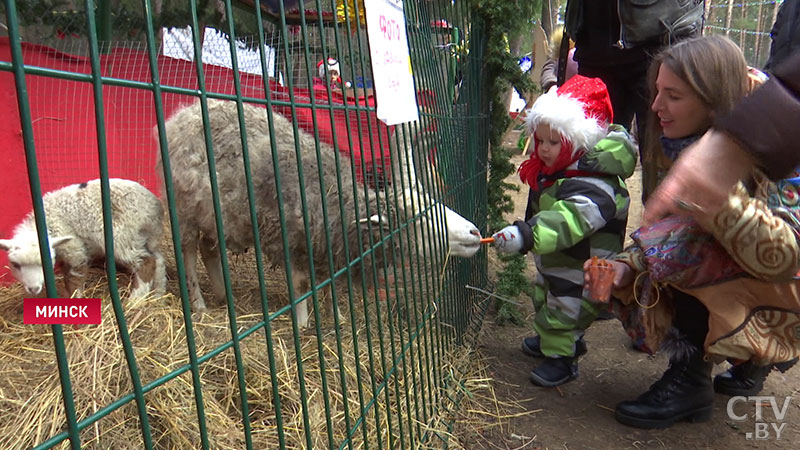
(354, 224)
(74, 218)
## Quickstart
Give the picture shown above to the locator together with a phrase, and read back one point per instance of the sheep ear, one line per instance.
(5, 244)
(56, 241)
(375, 220)
(382, 221)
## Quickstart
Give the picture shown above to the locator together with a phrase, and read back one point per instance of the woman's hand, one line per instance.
(623, 274)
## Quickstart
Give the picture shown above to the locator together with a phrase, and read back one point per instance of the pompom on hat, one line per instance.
(580, 110)
(332, 64)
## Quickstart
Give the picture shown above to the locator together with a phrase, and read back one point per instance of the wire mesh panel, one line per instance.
(317, 260)
(748, 23)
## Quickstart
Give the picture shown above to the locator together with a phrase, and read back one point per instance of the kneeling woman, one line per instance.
(707, 297)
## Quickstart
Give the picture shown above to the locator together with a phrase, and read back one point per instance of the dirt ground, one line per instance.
(579, 414)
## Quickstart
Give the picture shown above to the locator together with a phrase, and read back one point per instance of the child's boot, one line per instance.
(532, 346)
(555, 371)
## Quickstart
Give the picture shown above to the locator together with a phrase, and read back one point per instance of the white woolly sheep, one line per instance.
(74, 217)
(187, 152)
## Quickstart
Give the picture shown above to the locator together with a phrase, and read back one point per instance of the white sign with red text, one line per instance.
(391, 66)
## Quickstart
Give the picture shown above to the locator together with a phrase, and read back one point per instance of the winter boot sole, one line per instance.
(784, 366)
(695, 416)
(723, 385)
(539, 381)
(720, 387)
(580, 350)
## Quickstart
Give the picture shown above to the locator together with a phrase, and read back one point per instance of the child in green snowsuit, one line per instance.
(577, 208)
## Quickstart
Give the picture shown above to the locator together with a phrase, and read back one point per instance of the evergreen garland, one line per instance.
(503, 20)
(68, 17)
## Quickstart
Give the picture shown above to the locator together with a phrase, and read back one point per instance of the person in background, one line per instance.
(549, 75)
(785, 34)
(700, 293)
(615, 41)
(328, 74)
(577, 207)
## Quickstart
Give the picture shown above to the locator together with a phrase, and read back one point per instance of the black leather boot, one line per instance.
(747, 378)
(684, 392)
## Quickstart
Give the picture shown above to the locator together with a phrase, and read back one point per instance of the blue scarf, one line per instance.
(673, 147)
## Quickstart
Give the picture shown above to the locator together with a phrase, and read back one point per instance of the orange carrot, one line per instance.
(487, 240)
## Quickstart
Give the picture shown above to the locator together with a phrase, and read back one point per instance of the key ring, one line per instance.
(636, 297)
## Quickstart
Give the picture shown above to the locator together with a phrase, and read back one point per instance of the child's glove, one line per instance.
(508, 240)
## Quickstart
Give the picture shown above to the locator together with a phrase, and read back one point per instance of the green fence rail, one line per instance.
(380, 371)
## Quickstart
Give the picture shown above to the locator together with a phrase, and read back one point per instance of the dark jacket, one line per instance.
(785, 33)
(609, 33)
(766, 121)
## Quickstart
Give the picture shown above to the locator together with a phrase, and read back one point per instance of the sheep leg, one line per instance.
(301, 286)
(328, 295)
(74, 278)
(143, 274)
(160, 275)
(160, 272)
(210, 253)
(193, 284)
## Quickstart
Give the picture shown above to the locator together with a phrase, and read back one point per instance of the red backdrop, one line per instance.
(65, 133)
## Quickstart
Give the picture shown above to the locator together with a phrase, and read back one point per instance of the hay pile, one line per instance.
(32, 407)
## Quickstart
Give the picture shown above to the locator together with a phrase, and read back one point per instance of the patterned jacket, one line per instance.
(577, 217)
(751, 291)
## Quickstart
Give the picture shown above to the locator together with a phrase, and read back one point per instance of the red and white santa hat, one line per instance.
(332, 64)
(580, 110)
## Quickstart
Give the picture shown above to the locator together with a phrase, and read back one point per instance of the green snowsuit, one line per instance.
(569, 219)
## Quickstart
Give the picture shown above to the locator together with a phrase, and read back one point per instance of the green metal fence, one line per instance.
(748, 23)
(382, 372)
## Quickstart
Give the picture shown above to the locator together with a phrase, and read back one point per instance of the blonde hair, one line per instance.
(712, 66)
(554, 43)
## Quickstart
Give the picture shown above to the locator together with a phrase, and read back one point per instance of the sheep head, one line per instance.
(463, 237)
(26, 260)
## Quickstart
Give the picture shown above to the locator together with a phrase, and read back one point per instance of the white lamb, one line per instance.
(74, 217)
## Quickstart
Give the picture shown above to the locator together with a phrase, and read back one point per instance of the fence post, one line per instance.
(104, 26)
(758, 32)
(728, 19)
(742, 33)
(775, 12)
